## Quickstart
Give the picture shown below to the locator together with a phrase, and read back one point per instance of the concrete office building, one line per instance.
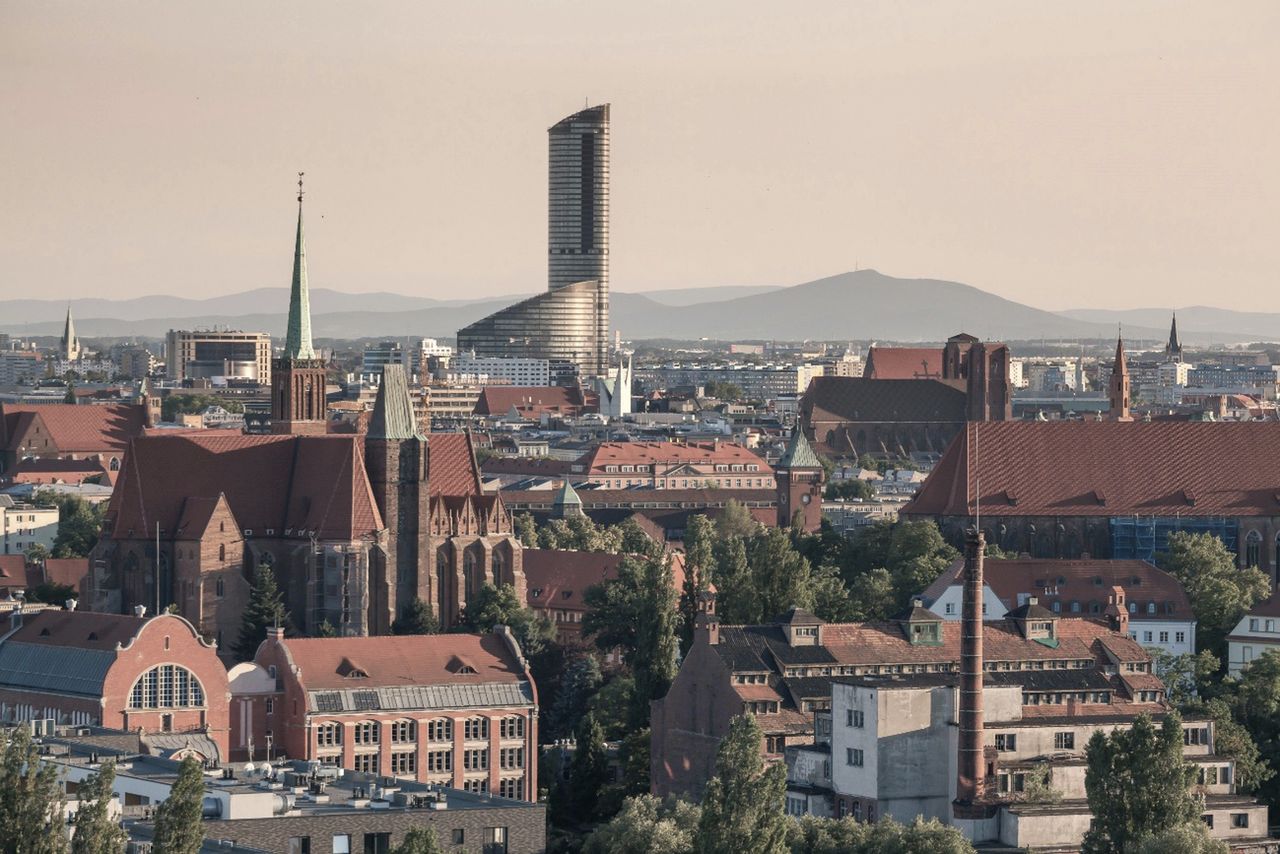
(218, 353)
(569, 323)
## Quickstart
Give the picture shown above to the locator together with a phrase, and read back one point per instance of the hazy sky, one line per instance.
(1065, 154)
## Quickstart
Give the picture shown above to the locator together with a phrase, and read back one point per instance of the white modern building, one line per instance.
(25, 526)
(1257, 632)
(500, 370)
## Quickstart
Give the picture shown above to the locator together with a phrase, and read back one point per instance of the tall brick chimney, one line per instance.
(970, 776)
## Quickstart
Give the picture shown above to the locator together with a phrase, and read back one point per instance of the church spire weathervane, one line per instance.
(297, 343)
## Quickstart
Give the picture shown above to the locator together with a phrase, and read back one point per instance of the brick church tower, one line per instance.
(800, 476)
(396, 460)
(298, 403)
(1118, 387)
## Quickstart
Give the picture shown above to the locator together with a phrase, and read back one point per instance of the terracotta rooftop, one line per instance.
(558, 579)
(1089, 468)
(78, 629)
(66, 570)
(453, 469)
(859, 399)
(648, 453)
(531, 401)
(1086, 582)
(272, 483)
(401, 660)
(73, 427)
(903, 363)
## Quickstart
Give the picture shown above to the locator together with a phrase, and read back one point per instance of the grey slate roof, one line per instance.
(420, 697)
(59, 670)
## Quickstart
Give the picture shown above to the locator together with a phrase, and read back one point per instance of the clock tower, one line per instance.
(800, 477)
(298, 401)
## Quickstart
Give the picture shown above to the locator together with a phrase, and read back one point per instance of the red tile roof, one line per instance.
(670, 453)
(79, 629)
(532, 401)
(400, 660)
(1089, 468)
(278, 483)
(453, 469)
(75, 428)
(1085, 581)
(66, 570)
(13, 571)
(55, 470)
(903, 363)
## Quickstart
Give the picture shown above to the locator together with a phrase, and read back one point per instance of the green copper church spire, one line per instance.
(297, 343)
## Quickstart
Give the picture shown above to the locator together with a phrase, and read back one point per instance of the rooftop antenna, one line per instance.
(300, 192)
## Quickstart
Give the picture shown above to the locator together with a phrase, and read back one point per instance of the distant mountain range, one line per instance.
(861, 305)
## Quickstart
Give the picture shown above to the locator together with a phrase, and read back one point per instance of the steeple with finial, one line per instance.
(297, 343)
(1173, 350)
(1118, 396)
(298, 385)
(70, 344)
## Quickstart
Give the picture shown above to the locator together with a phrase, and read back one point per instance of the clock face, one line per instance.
(806, 498)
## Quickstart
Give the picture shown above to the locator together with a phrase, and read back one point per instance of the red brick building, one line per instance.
(64, 431)
(354, 526)
(154, 675)
(455, 709)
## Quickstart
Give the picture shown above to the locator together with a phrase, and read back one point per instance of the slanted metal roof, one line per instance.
(421, 697)
(60, 670)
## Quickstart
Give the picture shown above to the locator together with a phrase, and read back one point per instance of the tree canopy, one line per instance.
(742, 807)
(501, 606)
(95, 832)
(1138, 784)
(179, 827)
(1220, 592)
(31, 799)
(419, 840)
(265, 609)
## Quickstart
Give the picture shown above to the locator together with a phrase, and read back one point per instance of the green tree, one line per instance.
(581, 680)
(1190, 837)
(79, 523)
(742, 808)
(95, 832)
(1219, 591)
(51, 593)
(1184, 675)
(37, 553)
(31, 800)
(179, 825)
(416, 619)
(1233, 741)
(735, 589)
(917, 556)
(501, 606)
(526, 530)
(813, 835)
(419, 840)
(326, 629)
(1256, 707)
(852, 488)
(831, 599)
(779, 574)
(1137, 783)
(722, 390)
(265, 609)
(873, 597)
(590, 769)
(646, 825)
(699, 569)
(174, 405)
(635, 612)
(735, 520)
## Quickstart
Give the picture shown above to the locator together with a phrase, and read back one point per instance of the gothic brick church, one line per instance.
(355, 527)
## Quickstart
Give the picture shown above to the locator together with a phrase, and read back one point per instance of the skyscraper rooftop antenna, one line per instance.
(300, 192)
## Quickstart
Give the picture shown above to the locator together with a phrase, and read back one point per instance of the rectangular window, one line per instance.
(511, 757)
(1239, 819)
(341, 843)
(1164, 637)
(403, 731)
(367, 763)
(475, 729)
(440, 729)
(1180, 637)
(475, 760)
(404, 763)
(367, 732)
(299, 845)
(1064, 740)
(477, 786)
(377, 843)
(1006, 742)
(495, 840)
(459, 836)
(512, 727)
(1146, 637)
(511, 787)
(853, 756)
(1208, 775)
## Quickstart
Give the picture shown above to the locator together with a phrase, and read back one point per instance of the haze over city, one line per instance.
(1068, 156)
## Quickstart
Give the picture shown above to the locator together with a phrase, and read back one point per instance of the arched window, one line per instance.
(115, 464)
(470, 574)
(1253, 549)
(440, 729)
(1151, 607)
(329, 735)
(475, 729)
(222, 551)
(167, 686)
(511, 726)
(498, 561)
(220, 588)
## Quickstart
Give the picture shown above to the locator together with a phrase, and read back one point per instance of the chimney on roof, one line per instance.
(275, 633)
(970, 778)
(1117, 612)
(139, 611)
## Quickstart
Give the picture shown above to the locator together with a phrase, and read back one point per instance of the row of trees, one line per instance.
(742, 809)
(32, 805)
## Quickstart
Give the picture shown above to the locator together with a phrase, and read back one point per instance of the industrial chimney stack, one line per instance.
(969, 784)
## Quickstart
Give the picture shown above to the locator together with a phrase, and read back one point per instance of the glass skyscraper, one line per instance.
(569, 323)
